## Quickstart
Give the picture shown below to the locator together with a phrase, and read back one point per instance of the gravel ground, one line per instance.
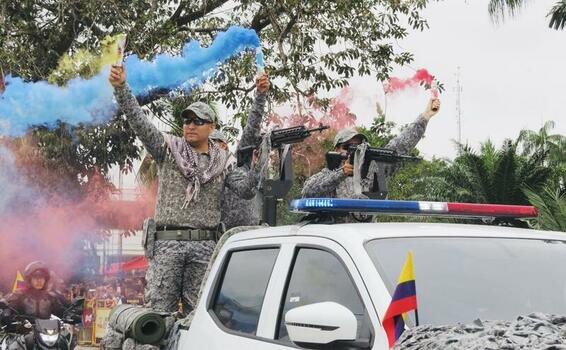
(535, 331)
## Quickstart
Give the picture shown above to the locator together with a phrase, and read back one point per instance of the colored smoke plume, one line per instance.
(86, 63)
(309, 155)
(24, 104)
(394, 84)
(38, 224)
(194, 66)
(337, 115)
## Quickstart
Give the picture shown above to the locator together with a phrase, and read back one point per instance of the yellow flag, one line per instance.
(408, 272)
(19, 283)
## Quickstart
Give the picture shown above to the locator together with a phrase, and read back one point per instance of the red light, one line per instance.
(497, 210)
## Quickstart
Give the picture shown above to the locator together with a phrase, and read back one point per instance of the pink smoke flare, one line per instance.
(394, 84)
(38, 224)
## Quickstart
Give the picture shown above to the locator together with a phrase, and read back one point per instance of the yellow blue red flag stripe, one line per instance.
(19, 282)
(404, 300)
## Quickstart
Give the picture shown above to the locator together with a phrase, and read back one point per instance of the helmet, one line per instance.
(36, 268)
(218, 135)
(347, 134)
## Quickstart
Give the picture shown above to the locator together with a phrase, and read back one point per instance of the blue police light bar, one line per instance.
(381, 206)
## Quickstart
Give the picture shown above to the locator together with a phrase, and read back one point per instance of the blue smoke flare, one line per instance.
(26, 104)
(260, 66)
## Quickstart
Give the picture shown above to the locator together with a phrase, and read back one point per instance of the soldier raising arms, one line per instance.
(193, 173)
(339, 183)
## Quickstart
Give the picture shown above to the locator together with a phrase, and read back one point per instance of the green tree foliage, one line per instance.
(498, 9)
(543, 141)
(380, 131)
(488, 176)
(551, 206)
(308, 45)
(63, 160)
(496, 176)
(419, 181)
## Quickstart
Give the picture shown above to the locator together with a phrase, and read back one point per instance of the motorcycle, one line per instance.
(48, 334)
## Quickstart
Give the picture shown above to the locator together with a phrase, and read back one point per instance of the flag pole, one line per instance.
(417, 317)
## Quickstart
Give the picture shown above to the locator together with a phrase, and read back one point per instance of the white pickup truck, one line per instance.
(323, 286)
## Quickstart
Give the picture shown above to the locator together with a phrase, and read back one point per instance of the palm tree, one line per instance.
(543, 141)
(533, 141)
(558, 15)
(492, 175)
(499, 8)
(551, 206)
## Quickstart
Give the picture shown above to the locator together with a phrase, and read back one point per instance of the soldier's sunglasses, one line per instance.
(196, 121)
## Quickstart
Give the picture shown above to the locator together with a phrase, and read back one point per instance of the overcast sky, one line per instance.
(512, 75)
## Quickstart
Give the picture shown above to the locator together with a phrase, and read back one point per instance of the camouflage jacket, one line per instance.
(237, 211)
(335, 184)
(171, 194)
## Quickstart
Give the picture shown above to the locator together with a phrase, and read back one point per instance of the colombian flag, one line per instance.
(404, 300)
(19, 283)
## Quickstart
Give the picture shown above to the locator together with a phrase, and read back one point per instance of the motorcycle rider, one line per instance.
(35, 300)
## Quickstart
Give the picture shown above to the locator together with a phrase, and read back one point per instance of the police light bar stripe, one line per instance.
(378, 206)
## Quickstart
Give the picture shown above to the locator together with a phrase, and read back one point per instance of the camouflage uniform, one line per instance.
(177, 267)
(185, 323)
(334, 183)
(237, 211)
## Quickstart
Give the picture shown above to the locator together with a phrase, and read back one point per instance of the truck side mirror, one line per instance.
(321, 323)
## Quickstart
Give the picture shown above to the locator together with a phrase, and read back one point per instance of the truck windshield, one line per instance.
(462, 279)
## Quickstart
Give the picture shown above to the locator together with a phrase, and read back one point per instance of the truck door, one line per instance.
(322, 271)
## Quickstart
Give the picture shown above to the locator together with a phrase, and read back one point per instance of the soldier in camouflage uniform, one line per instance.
(193, 173)
(237, 211)
(339, 182)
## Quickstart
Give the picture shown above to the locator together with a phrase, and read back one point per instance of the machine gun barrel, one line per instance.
(381, 155)
(292, 135)
(279, 137)
(385, 155)
(378, 187)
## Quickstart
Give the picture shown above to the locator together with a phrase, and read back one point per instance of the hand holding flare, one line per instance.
(434, 95)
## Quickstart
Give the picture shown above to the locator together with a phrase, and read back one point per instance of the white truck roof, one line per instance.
(362, 232)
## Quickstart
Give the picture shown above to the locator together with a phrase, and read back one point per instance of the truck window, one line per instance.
(319, 276)
(239, 298)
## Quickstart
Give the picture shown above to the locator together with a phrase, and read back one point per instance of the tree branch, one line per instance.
(290, 25)
(202, 30)
(208, 7)
(177, 12)
(260, 21)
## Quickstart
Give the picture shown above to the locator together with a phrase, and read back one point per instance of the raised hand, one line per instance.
(262, 83)
(117, 75)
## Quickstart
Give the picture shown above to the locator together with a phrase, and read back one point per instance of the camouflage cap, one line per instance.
(218, 135)
(345, 135)
(201, 110)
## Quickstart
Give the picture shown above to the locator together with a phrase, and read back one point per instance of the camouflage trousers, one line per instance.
(176, 272)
